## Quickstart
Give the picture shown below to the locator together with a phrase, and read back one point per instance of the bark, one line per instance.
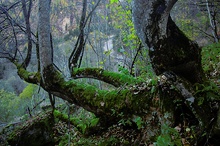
(169, 48)
(141, 99)
(27, 14)
(78, 51)
(80, 44)
(212, 22)
(44, 36)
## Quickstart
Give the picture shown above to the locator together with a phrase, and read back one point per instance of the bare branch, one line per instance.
(80, 44)
(6, 55)
(135, 57)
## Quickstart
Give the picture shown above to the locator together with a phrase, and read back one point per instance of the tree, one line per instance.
(212, 10)
(175, 59)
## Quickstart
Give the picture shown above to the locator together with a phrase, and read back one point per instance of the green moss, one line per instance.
(116, 79)
(23, 73)
(58, 114)
(31, 77)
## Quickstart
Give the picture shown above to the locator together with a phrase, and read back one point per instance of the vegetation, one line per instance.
(109, 72)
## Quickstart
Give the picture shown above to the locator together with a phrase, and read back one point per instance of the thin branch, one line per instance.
(6, 55)
(135, 57)
(211, 21)
(28, 31)
(78, 48)
(80, 44)
(90, 14)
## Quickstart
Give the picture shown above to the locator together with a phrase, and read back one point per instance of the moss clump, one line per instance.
(113, 78)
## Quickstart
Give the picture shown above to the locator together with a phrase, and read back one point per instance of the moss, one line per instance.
(38, 131)
(64, 117)
(82, 123)
(116, 79)
(23, 73)
(58, 114)
(119, 100)
(31, 77)
(101, 102)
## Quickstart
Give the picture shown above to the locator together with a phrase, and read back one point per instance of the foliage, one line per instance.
(169, 137)
(211, 60)
(209, 91)
(28, 91)
(60, 2)
(123, 70)
(126, 42)
(190, 20)
(129, 43)
(83, 120)
(113, 1)
(6, 103)
(86, 120)
(139, 122)
(11, 106)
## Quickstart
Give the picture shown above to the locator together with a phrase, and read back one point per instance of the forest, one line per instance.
(109, 72)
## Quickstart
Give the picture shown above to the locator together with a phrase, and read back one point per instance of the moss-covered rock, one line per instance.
(35, 132)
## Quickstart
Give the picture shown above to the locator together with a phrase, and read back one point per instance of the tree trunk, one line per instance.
(44, 36)
(169, 48)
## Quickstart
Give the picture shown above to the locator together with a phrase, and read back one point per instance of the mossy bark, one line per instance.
(113, 78)
(136, 99)
(169, 48)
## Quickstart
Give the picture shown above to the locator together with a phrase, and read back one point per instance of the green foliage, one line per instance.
(123, 70)
(169, 137)
(29, 91)
(125, 122)
(211, 60)
(138, 120)
(113, 1)
(186, 24)
(187, 21)
(6, 102)
(126, 42)
(82, 120)
(208, 90)
(11, 106)
(123, 22)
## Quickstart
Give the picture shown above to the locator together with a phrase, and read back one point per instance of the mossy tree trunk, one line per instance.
(169, 48)
(172, 52)
(175, 59)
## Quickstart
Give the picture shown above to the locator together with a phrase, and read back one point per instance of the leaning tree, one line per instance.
(169, 99)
